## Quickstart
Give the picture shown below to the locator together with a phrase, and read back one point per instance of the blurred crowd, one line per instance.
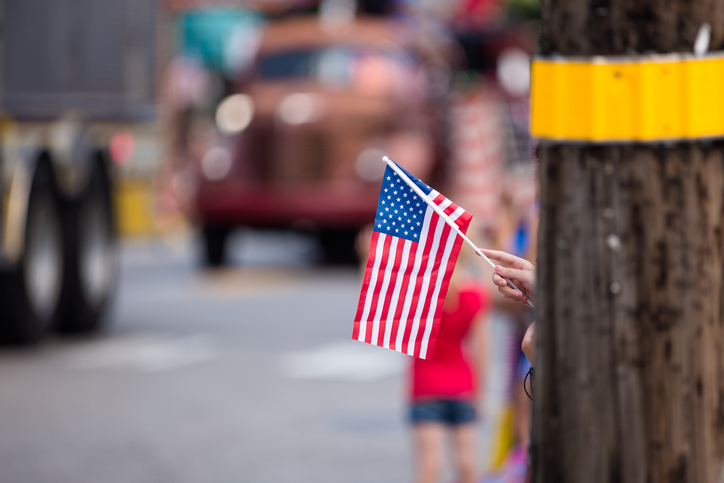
(450, 105)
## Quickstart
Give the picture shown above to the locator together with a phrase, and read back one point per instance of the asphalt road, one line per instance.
(242, 375)
(246, 374)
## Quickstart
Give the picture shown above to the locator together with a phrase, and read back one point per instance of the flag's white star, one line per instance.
(397, 231)
(379, 225)
(381, 213)
(388, 178)
(387, 209)
(385, 190)
(418, 204)
(394, 192)
(402, 226)
(395, 211)
(404, 194)
(383, 202)
(415, 235)
(398, 199)
(387, 227)
(388, 197)
(399, 218)
(405, 233)
(420, 211)
(418, 223)
(408, 202)
(393, 222)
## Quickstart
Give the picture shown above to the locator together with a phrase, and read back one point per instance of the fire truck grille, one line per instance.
(285, 159)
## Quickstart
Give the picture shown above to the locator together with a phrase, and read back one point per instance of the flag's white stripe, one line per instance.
(413, 278)
(430, 263)
(457, 214)
(449, 244)
(383, 291)
(396, 293)
(371, 288)
(443, 206)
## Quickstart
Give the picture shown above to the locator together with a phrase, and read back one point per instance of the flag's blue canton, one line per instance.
(400, 212)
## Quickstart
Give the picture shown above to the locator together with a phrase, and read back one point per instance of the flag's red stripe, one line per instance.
(444, 283)
(390, 291)
(410, 337)
(434, 220)
(407, 271)
(408, 308)
(364, 293)
(386, 273)
(436, 260)
(389, 316)
(433, 261)
(378, 287)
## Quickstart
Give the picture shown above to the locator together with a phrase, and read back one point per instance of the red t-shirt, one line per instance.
(449, 373)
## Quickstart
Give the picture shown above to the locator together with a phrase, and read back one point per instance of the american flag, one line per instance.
(412, 256)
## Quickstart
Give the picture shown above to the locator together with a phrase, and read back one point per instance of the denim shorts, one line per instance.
(446, 411)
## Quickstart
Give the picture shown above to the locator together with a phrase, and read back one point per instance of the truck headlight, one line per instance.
(216, 163)
(234, 113)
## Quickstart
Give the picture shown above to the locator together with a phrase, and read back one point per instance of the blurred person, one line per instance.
(445, 391)
(514, 233)
(185, 92)
(522, 273)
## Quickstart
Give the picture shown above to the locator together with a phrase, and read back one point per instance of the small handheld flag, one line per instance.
(413, 252)
(401, 173)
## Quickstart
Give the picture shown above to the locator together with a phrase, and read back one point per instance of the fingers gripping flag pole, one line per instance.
(412, 255)
(404, 175)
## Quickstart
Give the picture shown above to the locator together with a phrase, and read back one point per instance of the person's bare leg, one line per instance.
(464, 447)
(429, 438)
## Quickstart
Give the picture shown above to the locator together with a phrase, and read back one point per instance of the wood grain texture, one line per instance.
(630, 337)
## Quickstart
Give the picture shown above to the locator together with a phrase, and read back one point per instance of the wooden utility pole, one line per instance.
(630, 353)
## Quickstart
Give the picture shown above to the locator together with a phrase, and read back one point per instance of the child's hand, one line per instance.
(521, 273)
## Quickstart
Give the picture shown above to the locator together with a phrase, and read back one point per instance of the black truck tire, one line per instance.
(30, 292)
(338, 246)
(214, 245)
(90, 254)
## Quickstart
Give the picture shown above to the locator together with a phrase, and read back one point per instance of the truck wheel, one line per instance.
(338, 246)
(31, 290)
(214, 239)
(90, 255)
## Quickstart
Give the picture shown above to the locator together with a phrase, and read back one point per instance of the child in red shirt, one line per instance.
(445, 389)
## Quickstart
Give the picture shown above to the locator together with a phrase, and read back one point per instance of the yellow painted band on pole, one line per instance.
(651, 98)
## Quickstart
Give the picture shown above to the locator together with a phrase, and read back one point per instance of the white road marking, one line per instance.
(143, 353)
(343, 361)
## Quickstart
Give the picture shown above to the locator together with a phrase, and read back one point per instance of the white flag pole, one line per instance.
(442, 214)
